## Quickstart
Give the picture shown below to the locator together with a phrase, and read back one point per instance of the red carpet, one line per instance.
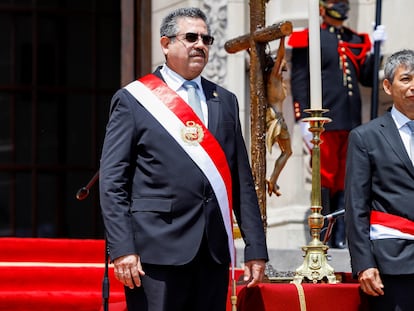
(62, 275)
(54, 274)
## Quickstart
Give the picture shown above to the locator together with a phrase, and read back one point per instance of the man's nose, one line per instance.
(199, 40)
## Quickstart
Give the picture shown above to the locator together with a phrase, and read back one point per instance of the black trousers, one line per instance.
(398, 294)
(200, 285)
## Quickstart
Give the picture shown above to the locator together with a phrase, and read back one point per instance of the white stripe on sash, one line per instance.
(379, 232)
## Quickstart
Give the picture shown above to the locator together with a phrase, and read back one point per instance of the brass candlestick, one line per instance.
(315, 267)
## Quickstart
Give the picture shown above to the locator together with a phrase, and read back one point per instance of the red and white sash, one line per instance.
(176, 116)
(388, 226)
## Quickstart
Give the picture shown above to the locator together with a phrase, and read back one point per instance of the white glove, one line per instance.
(306, 135)
(379, 34)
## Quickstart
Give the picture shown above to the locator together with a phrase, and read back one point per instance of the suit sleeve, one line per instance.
(245, 203)
(358, 203)
(300, 81)
(367, 65)
(115, 176)
(366, 75)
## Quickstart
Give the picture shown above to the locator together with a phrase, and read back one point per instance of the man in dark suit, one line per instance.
(345, 63)
(379, 194)
(170, 181)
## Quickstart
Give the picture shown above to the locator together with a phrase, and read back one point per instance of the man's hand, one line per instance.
(254, 272)
(371, 283)
(128, 270)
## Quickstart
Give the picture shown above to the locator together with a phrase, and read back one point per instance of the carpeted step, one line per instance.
(55, 274)
(56, 300)
(59, 278)
(52, 250)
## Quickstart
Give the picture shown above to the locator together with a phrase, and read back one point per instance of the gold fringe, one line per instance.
(234, 296)
(301, 295)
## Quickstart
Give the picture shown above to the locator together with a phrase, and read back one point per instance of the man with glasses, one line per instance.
(171, 179)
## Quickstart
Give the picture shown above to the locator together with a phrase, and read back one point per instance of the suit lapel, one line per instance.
(392, 136)
(213, 105)
(157, 72)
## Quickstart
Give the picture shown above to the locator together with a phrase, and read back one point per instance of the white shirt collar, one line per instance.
(399, 118)
(174, 80)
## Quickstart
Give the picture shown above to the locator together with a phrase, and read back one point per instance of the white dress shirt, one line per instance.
(175, 82)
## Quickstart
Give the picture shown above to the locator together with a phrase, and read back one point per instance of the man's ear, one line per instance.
(165, 41)
(386, 84)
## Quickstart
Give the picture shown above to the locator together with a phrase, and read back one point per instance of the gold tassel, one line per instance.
(234, 296)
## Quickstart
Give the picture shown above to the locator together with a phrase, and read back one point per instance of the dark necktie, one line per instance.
(193, 99)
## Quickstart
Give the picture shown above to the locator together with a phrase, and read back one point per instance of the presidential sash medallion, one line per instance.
(192, 133)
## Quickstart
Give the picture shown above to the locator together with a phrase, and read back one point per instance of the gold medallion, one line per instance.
(192, 133)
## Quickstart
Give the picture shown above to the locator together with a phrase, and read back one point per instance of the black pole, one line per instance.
(377, 59)
(81, 195)
(105, 281)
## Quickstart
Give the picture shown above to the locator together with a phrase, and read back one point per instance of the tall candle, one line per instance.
(315, 56)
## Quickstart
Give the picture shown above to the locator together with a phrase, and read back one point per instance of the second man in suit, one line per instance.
(379, 194)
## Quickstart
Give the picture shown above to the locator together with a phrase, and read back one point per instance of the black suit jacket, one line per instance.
(379, 176)
(155, 200)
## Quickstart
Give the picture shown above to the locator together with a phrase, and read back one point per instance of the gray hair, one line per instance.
(403, 58)
(169, 25)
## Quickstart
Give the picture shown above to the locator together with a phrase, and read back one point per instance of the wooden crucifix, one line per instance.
(256, 43)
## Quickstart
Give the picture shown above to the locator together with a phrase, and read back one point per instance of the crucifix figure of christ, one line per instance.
(256, 43)
(276, 127)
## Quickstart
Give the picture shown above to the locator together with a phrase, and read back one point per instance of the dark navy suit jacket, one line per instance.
(155, 200)
(380, 177)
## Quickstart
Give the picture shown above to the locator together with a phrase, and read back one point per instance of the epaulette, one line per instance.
(299, 39)
(345, 51)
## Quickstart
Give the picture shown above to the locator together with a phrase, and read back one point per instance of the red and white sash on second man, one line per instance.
(388, 226)
(176, 116)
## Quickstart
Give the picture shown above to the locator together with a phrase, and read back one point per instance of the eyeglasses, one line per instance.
(194, 37)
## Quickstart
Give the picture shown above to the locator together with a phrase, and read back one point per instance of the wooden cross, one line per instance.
(256, 42)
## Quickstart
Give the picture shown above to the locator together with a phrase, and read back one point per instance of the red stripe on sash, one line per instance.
(181, 109)
(392, 221)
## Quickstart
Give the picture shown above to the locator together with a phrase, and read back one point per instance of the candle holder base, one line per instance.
(315, 267)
